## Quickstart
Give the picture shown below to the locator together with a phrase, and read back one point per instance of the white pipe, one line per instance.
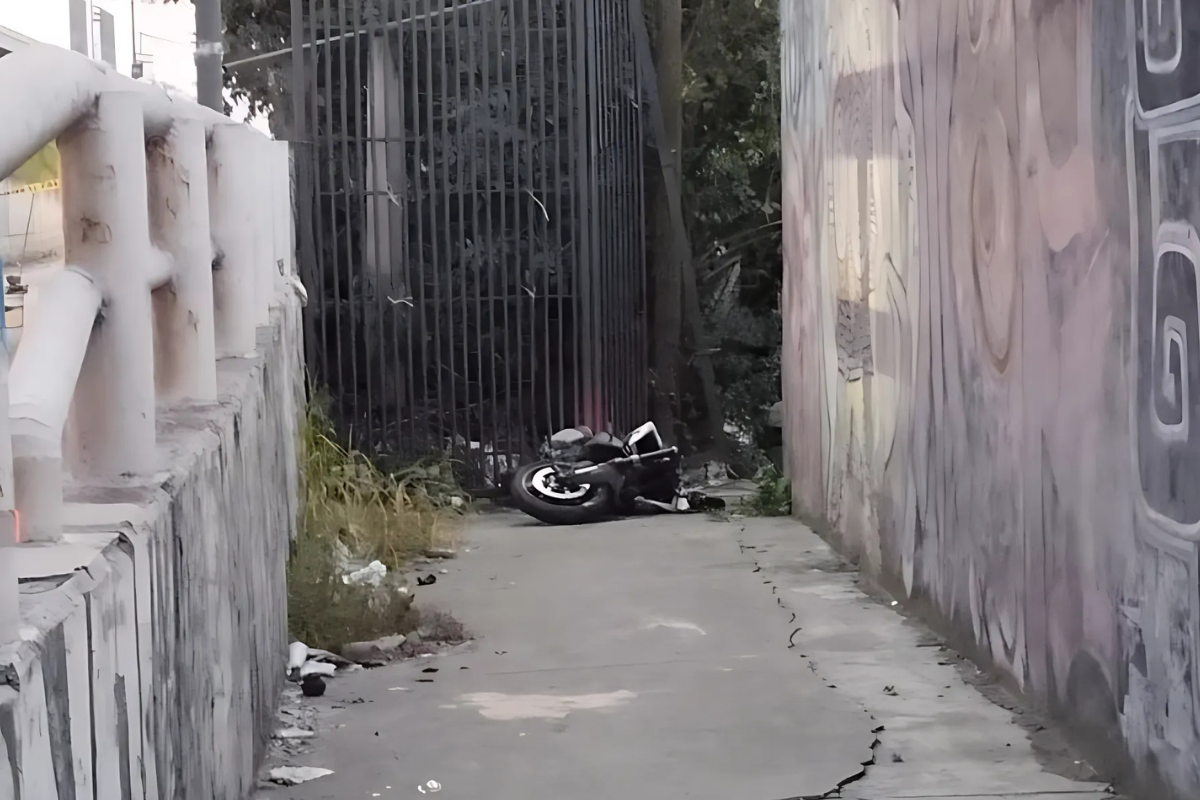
(185, 364)
(41, 384)
(106, 230)
(231, 186)
(46, 89)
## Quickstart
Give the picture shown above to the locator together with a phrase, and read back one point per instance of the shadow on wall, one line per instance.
(991, 334)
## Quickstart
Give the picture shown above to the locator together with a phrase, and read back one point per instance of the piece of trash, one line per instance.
(429, 787)
(427, 581)
(430, 669)
(424, 680)
(399, 689)
(456, 501)
(891, 690)
(312, 686)
(294, 733)
(317, 668)
(443, 572)
(297, 655)
(293, 776)
(897, 758)
(370, 575)
(895, 602)
(441, 552)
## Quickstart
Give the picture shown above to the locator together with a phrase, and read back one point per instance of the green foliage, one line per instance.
(732, 193)
(252, 27)
(353, 508)
(772, 495)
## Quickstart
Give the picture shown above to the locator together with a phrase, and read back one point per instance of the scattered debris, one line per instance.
(376, 652)
(297, 655)
(897, 758)
(429, 787)
(304, 661)
(293, 776)
(429, 580)
(891, 691)
(314, 667)
(294, 733)
(370, 575)
(443, 572)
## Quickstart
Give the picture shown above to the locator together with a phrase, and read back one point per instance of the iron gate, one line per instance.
(470, 187)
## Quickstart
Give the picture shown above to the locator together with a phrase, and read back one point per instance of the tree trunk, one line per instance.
(669, 253)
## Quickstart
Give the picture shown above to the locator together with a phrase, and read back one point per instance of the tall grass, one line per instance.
(353, 508)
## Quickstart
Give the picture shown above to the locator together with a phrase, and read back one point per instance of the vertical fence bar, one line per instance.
(526, 283)
(583, 182)
(462, 412)
(420, 180)
(502, 65)
(625, 151)
(376, 211)
(605, 214)
(399, 225)
(570, 183)
(331, 194)
(353, 179)
(490, 18)
(476, 100)
(639, 172)
(517, 95)
(319, 290)
(445, 291)
(541, 213)
(560, 259)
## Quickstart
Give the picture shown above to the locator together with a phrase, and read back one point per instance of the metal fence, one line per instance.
(470, 188)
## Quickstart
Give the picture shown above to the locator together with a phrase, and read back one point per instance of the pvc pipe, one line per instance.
(231, 185)
(185, 365)
(106, 230)
(41, 384)
(46, 89)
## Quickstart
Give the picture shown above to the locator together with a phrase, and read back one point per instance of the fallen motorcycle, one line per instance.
(587, 477)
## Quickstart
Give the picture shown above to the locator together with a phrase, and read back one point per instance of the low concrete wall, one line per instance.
(991, 362)
(154, 638)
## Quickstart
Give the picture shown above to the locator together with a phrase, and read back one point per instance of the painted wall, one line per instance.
(992, 336)
(154, 637)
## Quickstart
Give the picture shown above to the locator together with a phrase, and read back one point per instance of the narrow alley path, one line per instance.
(650, 658)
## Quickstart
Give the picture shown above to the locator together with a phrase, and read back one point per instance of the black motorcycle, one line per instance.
(588, 477)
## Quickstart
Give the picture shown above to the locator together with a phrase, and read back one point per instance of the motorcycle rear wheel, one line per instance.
(534, 492)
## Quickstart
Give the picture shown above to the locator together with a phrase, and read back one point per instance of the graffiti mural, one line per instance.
(992, 333)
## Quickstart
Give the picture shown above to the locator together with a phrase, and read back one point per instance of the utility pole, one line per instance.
(210, 48)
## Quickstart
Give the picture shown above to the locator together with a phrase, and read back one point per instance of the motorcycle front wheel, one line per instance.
(536, 492)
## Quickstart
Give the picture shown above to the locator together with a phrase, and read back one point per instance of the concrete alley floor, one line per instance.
(669, 657)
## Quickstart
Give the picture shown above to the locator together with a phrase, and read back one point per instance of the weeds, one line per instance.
(772, 495)
(355, 511)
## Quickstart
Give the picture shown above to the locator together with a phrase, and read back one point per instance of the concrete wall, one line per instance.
(170, 594)
(991, 334)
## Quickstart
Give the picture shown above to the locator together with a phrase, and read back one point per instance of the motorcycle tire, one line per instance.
(593, 505)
